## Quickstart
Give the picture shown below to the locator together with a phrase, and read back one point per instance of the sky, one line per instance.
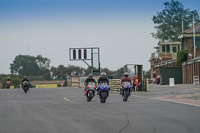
(120, 28)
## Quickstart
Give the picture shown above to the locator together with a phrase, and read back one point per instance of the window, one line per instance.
(174, 49)
(163, 48)
(168, 48)
(178, 47)
(197, 42)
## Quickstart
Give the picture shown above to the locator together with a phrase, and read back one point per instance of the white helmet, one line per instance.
(103, 75)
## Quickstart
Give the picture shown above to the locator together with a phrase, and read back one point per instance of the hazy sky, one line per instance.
(120, 28)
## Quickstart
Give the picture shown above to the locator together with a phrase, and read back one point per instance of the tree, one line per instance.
(45, 73)
(15, 80)
(147, 74)
(107, 71)
(61, 71)
(43, 62)
(119, 73)
(29, 65)
(181, 57)
(169, 21)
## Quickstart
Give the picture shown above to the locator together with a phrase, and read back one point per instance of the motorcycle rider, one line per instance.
(8, 82)
(89, 79)
(103, 79)
(135, 83)
(25, 79)
(8, 78)
(126, 78)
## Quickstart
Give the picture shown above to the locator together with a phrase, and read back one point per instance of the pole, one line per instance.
(99, 61)
(92, 60)
(194, 38)
(182, 26)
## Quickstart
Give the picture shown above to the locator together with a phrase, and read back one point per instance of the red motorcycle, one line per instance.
(8, 84)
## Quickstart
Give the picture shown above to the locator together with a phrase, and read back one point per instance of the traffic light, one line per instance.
(79, 53)
(85, 54)
(74, 54)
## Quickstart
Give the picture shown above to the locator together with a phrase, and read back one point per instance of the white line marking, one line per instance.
(66, 99)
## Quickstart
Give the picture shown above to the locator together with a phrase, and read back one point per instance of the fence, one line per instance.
(190, 69)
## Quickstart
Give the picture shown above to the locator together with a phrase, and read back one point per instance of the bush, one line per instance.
(181, 57)
(15, 80)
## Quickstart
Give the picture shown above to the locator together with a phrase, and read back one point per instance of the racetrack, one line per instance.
(65, 110)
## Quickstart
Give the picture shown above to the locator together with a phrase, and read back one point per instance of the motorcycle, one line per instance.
(25, 86)
(8, 84)
(103, 92)
(90, 91)
(126, 90)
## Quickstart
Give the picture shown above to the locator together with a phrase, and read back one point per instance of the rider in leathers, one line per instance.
(102, 79)
(89, 79)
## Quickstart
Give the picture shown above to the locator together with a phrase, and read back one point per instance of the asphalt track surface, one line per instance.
(65, 110)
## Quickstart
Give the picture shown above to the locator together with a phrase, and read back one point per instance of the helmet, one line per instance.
(103, 75)
(25, 77)
(8, 77)
(126, 74)
(135, 76)
(90, 76)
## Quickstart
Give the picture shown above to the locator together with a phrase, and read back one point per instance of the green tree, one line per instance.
(29, 65)
(181, 57)
(147, 74)
(168, 22)
(119, 73)
(45, 73)
(42, 62)
(107, 71)
(15, 80)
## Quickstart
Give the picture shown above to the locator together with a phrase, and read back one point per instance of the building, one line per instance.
(192, 65)
(187, 41)
(166, 57)
(168, 50)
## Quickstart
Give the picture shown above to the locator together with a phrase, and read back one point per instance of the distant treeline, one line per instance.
(38, 69)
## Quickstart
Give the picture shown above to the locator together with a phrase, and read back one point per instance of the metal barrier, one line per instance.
(114, 84)
(146, 84)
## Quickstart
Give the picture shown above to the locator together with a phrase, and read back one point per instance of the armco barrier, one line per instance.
(12, 87)
(46, 86)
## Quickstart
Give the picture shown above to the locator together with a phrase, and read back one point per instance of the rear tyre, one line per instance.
(90, 96)
(25, 90)
(88, 99)
(125, 98)
(103, 97)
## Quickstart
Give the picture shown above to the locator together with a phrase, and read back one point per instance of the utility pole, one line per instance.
(194, 38)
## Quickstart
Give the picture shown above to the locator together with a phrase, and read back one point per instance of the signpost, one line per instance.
(86, 54)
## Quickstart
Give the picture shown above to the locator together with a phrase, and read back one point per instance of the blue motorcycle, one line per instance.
(126, 90)
(104, 89)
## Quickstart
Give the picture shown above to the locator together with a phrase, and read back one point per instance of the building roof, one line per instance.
(197, 59)
(165, 63)
(177, 42)
(190, 30)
